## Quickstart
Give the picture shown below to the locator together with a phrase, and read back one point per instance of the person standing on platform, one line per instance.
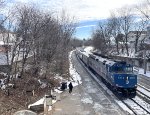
(70, 87)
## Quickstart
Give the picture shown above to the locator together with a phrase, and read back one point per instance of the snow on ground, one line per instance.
(74, 74)
(57, 76)
(97, 107)
(39, 102)
(87, 100)
(57, 91)
(141, 71)
(143, 91)
(136, 107)
(144, 104)
(88, 48)
(124, 107)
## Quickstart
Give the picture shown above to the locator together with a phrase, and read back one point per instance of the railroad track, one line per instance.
(143, 93)
(137, 106)
(141, 103)
(129, 107)
(144, 88)
(144, 81)
(144, 85)
(146, 78)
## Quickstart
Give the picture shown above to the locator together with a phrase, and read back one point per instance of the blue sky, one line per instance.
(86, 12)
(85, 28)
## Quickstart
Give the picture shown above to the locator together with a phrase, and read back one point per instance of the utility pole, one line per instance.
(145, 65)
(83, 42)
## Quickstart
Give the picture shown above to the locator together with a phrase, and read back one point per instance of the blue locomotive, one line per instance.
(118, 74)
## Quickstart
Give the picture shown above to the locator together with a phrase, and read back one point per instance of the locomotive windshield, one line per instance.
(119, 68)
(129, 69)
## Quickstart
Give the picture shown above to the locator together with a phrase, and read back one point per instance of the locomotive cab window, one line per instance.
(117, 69)
(129, 69)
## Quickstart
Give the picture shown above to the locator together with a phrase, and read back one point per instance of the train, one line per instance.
(117, 74)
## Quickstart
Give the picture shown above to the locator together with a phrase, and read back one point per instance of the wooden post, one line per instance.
(33, 93)
(47, 103)
(45, 107)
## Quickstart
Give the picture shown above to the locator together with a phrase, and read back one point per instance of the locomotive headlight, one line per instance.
(112, 77)
(127, 80)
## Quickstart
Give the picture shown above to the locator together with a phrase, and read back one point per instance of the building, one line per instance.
(133, 35)
(6, 42)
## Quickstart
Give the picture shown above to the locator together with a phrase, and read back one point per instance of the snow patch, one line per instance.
(97, 107)
(87, 100)
(141, 71)
(39, 102)
(143, 91)
(136, 107)
(92, 90)
(89, 49)
(74, 74)
(57, 76)
(57, 91)
(142, 103)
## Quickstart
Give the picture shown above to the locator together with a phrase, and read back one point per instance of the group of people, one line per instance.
(64, 86)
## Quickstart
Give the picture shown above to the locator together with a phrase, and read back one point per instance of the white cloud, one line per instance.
(81, 9)
(86, 26)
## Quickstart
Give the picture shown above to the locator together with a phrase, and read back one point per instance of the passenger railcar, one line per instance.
(118, 74)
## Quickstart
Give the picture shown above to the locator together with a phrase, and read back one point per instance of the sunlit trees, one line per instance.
(101, 37)
(114, 25)
(118, 26)
(40, 41)
(42, 36)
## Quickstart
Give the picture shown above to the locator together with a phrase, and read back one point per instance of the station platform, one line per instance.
(69, 104)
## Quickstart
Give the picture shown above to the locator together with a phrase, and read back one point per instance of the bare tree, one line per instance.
(101, 38)
(114, 25)
(75, 42)
(144, 9)
(67, 30)
(10, 42)
(139, 28)
(126, 23)
(1, 21)
(27, 30)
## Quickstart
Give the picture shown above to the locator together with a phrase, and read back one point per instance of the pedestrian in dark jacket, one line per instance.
(70, 87)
